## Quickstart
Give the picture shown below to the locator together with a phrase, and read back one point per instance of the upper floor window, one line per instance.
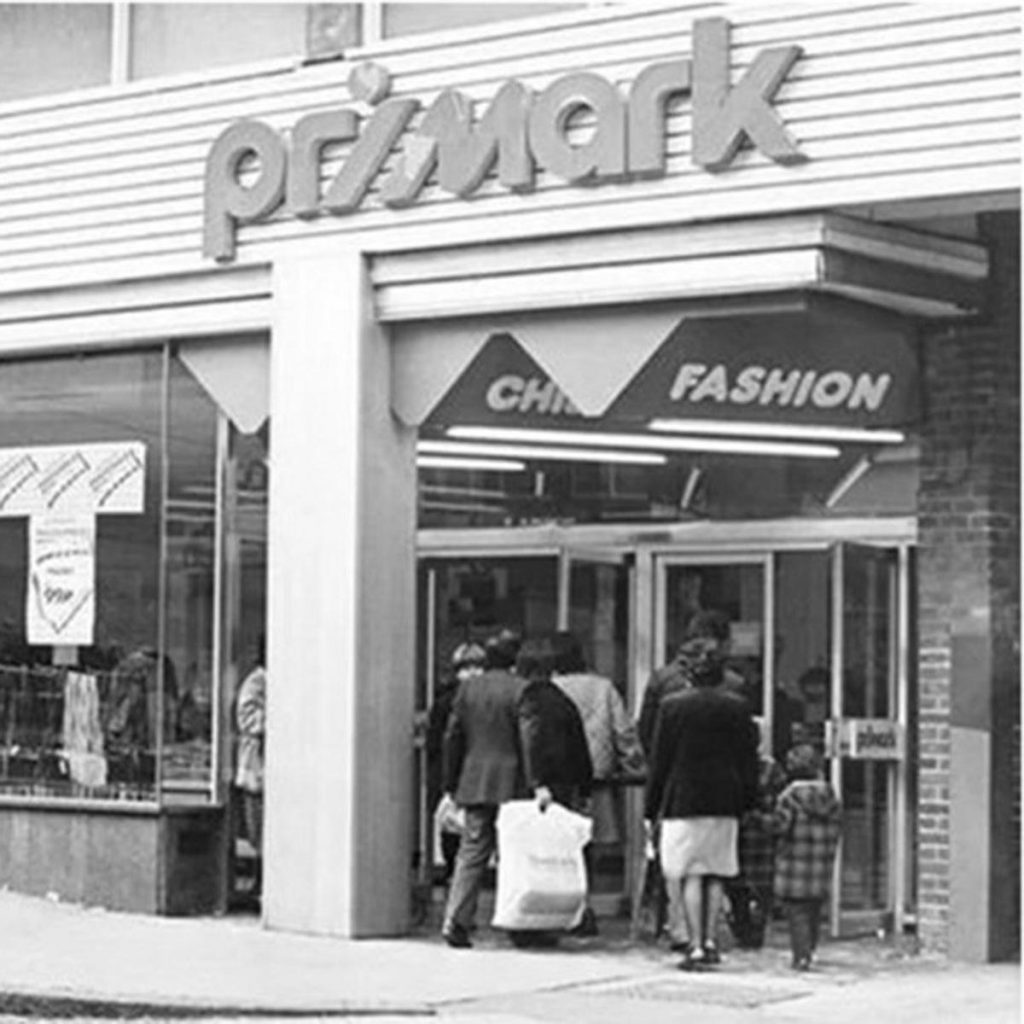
(402, 19)
(166, 39)
(51, 48)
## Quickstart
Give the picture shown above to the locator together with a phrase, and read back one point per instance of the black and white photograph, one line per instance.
(510, 512)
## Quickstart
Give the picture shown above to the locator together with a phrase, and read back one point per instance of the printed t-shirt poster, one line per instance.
(61, 595)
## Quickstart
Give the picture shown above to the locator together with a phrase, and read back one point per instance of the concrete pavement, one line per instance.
(60, 959)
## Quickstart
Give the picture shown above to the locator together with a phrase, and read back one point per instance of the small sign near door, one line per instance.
(867, 739)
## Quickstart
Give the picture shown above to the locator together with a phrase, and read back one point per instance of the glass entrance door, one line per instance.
(596, 606)
(460, 599)
(866, 741)
(819, 651)
(741, 588)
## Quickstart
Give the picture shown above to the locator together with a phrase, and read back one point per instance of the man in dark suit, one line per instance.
(702, 777)
(483, 767)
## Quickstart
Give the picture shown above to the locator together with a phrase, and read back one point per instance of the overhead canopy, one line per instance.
(591, 313)
(805, 361)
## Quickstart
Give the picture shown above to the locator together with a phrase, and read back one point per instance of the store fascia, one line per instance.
(518, 131)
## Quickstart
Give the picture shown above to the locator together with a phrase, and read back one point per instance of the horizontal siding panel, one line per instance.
(886, 94)
(96, 169)
(175, 254)
(181, 195)
(140, 221)
(239, 284)
(134, 325)
(111, 177)
(32, 206)
(325, 85)
(182, 235)
(158, 153)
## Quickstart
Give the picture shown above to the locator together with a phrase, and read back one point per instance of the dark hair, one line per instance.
(568, 653)
(713, 624)
(501, 649)
(803, 762)
(536, 659)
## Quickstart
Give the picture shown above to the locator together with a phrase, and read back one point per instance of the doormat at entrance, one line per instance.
(710, 991)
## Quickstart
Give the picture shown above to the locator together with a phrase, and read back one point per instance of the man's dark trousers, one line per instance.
(479, 841)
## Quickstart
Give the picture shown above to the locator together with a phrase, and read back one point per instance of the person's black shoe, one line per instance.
(587, 927)
(711, 954)
(457, 937)
(693, 960)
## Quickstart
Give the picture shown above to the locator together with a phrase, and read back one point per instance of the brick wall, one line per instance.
(968, 586)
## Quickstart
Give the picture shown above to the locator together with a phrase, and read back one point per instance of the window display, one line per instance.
(110, 516)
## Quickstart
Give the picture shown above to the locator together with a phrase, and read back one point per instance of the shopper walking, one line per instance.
(251, 721)
(703, 773)
(467, 663)
(483, 767)
(555, 751)
(613, 743)
(750, 893)
(807, 823)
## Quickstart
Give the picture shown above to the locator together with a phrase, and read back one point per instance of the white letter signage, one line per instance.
(520, 130)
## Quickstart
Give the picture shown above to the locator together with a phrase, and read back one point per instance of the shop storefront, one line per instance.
(731, 315)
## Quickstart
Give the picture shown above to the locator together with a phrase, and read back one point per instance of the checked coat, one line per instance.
(807, 824)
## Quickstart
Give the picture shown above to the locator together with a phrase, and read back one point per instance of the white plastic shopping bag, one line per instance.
(542, 880)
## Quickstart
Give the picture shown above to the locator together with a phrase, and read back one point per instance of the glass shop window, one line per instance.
(51, 48)
(402, 19)
(112, 531)
(167, 39)
(80, 510)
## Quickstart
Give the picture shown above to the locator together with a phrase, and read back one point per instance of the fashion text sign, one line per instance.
(801, 367)
(520, 131)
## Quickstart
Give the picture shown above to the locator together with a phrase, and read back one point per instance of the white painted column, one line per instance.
(339, 793)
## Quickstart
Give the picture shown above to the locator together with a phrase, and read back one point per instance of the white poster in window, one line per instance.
(61, 594)
(73, 479)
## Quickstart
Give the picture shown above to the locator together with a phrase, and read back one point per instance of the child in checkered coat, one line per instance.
(807, 824)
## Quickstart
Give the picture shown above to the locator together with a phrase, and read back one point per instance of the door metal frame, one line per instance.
(899, 704)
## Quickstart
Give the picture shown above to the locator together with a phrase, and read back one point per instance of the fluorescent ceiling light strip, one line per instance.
(798, 431)
(549, 452)
(660, 442)
(449, 462)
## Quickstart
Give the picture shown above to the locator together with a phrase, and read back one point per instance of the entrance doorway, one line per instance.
(818, 649)
(819, 640)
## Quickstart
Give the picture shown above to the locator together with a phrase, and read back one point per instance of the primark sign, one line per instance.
(252, 170)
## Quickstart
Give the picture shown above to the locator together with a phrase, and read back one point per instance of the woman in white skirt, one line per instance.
(702, 777)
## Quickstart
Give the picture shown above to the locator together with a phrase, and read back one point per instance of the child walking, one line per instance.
(807, 824)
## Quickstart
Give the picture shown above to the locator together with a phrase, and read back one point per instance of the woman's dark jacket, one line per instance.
(554, 741)
(704, 758)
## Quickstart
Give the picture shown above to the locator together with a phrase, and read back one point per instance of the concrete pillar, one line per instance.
(339, 795)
